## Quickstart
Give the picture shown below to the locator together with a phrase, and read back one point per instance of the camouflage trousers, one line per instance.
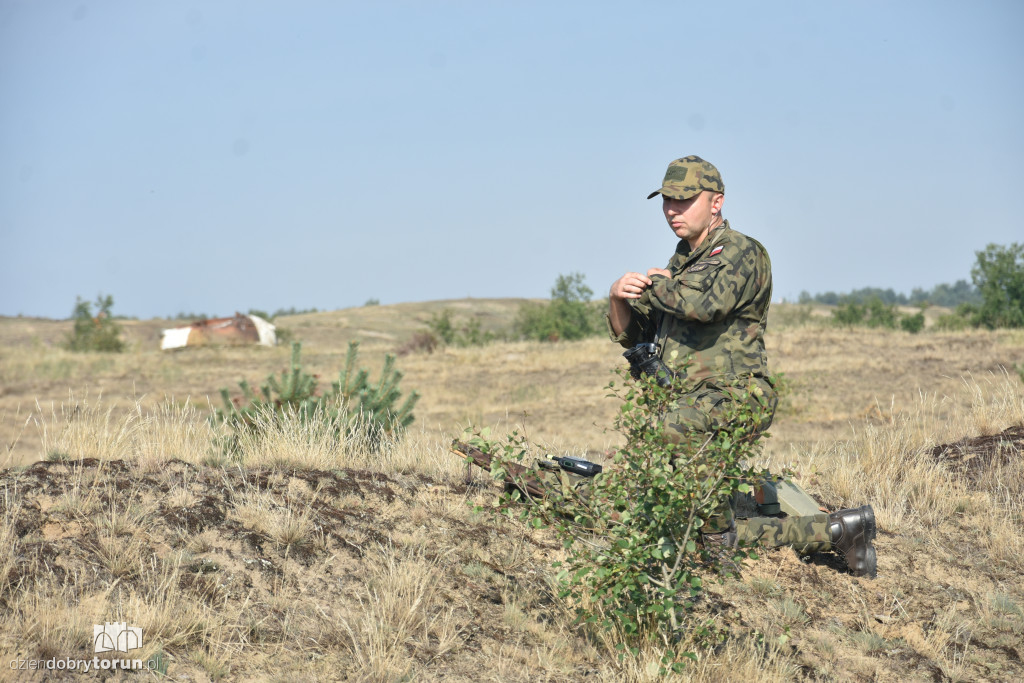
(790, 517)
(779, 514)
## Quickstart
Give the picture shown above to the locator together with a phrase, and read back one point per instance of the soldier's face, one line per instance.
(690, 219)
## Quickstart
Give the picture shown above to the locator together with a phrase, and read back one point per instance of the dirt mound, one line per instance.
(300, 561)
(971, 457)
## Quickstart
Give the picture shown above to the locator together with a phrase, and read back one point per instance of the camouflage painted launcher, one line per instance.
(529, 480)
(518, 475)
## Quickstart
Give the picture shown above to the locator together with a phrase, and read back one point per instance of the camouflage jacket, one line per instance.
(712, 310)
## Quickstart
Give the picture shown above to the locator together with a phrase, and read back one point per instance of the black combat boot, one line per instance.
(851, 532)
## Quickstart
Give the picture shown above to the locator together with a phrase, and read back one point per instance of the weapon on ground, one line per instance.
(524, 477)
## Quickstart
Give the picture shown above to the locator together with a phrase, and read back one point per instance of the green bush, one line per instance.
(94, 333)
(957, 321)
(873, 313)
(446, 330)
(999, 276)
(848, 314)
(634, 562)
(371, 407)
(569, 315)
(912, 323)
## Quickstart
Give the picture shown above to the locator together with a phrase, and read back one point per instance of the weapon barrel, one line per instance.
(523, 478)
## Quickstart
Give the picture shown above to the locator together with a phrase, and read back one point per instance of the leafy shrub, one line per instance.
(957, 321)
(569, 315)
(634, 561)
(372, 302)
(912, 323)
(848, 314)
(999, 276)
(364, 405)
(94, 333)
(881, 315)
(873, 313)
(446, 330)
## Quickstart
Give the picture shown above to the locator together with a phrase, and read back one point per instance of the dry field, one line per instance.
(304, 558)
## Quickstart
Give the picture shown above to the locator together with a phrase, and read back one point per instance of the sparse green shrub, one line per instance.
(262, 314)
(372, 302)
(873, 313)
(368, 406)
(881, 315)
(634, 557)
(94, 333)
(441, 326)
(569, 315)
(848, 314)
(913, 323)
(446, 330)
(957, 321)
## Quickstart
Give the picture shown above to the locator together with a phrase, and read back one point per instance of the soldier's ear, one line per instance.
(716, 203)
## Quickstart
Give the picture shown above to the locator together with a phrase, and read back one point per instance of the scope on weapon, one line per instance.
(578, 465)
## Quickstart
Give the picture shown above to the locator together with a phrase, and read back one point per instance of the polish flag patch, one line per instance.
(716, 250)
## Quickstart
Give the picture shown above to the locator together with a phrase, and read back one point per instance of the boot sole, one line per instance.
(869, 522)
(870, 565)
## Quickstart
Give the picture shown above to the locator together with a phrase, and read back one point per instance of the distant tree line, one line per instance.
(951, 296)
(994, 300)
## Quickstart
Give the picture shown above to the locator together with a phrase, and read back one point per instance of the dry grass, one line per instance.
(400, 607)
(309, 556)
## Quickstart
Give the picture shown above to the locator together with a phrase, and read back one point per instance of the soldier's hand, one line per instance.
(629, 286)
(659, 271)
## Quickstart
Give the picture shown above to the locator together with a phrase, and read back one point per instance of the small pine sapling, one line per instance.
(352, 402)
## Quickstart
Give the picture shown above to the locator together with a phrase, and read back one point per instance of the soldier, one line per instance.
(706, 315)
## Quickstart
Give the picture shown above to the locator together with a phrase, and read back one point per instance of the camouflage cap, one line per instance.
(688, 177)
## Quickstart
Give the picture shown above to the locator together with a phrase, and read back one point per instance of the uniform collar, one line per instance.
(715, 236)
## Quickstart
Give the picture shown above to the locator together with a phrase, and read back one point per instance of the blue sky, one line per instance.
(221, 156)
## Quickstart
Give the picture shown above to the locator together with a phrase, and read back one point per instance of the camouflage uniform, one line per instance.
(708, 318)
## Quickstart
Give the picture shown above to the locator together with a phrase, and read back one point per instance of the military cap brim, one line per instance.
(675, 195)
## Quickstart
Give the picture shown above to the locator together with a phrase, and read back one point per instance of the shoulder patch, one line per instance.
(716, 250)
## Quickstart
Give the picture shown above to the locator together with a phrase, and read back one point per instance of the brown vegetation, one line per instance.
(305, 557)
